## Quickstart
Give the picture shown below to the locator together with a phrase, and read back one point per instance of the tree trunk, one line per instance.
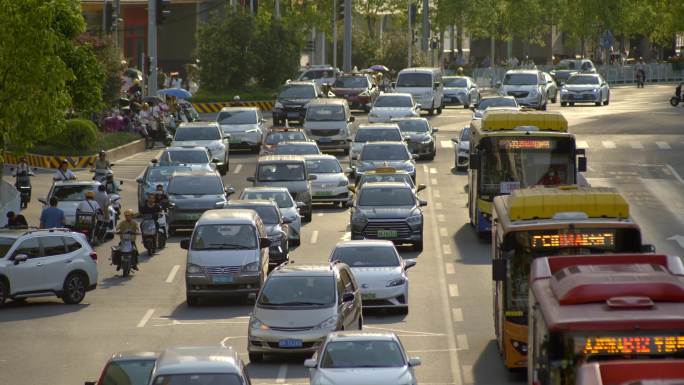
(370, 24)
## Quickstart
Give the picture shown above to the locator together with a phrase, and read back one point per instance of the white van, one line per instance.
(425, 85)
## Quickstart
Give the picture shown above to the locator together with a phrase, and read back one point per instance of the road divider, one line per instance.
(264, 105)
(77, 162)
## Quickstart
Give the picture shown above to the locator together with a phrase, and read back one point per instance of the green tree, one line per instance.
(89, 77)
(278, 42)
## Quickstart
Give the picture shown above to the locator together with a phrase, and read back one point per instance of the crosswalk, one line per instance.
(612, 145)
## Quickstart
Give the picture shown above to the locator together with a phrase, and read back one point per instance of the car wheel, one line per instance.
(431, 111)
(74, 288)
(563, 104)
(466, 105)
(191, 300)
(403, 310)
(360, 323)
(418, 246)
(597, 104)
(4, 291)
(439, 110)
(607, 102)
(223, 170)
(308, 216)
(256, 357)
(571, 104)
(555, 98)
(432, 154)
(172, 231)
(295, 242)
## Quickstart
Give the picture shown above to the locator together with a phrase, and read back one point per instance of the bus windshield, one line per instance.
(521, 247)
(509, 163)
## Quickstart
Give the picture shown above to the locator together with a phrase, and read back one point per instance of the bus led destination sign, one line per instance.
(619, 345)
(574, 238)
(526, 144)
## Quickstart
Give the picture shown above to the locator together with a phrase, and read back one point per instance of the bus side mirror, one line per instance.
(474, 161)
(582, 164)
(498, 269)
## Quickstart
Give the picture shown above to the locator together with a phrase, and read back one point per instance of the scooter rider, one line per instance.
(22, 167)
(162, 198)
(90, 206)
(129, 225)
(63, 173)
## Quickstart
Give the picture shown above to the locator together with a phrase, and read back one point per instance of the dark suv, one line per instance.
(291, 102)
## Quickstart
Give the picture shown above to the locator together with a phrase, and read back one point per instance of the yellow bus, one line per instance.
(513, 150)
(549, 221)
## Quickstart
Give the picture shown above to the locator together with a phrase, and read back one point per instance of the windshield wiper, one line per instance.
(231, 246)
(296, 303)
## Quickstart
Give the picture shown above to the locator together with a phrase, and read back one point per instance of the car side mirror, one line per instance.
(301, 205)
(409, 263)
(230, 190)
(414, 156)
(498, 84)
(185, 243)
(287, 220)
(582, 164)
(310, 363)
(19, 258)
(393, 84)
(251, 297)
(250, 179)
(226, 136)
(420, 187)
(215, 161)
(139, 179)
(562, 84)
(498, 269)
(348, 297)
(454, 140)
(352, 119)
(348, 170)
(349, 203)
(435, 130)
(43, 201)
(422, 203)
(436, 85)
(648, 249)
(312, 177)
(418, 106)
(264, 242)
(414, 361)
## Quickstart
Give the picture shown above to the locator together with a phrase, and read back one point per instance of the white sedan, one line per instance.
(391, 106)
(379, 270)
(362, 358)
(585, 88)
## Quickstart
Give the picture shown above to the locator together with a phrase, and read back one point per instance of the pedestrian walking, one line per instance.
(52, 216)
(640, 68)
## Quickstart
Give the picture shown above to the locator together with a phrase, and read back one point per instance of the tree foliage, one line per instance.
(278, 42)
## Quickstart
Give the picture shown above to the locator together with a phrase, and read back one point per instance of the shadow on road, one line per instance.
(229, 308)
(472, 249)
(488, 369)
(30, 309)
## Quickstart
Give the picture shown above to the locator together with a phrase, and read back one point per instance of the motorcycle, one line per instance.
(162, 230)
(86, 224)
(101, 174)
(23, 185)
(124, 252)
(148, 228)
(677, 98)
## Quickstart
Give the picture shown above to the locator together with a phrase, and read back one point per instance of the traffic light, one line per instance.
(110, 18)
(339, 12)
(163, 10)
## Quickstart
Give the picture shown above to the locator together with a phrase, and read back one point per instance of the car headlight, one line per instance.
(194, 269)
(595, 90)
(415, 219)
(252, 267)
(426, 140)
(534, 91)
(255, 323)
(342, 183)
(396, 282)
(359, 219)
(330, 323)
(278, 105)
(564, 90)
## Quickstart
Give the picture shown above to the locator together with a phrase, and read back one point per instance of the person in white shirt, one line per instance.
(89, 205)
(63, 173)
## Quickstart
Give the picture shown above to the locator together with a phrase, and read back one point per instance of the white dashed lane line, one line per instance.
(453, 290)
(457, 314)
(608, 144)
(663, 145)
(145, 318)
(443, 232)
(172, 273)
(238, 168)
(450, 268)
(446, 249)
(314, 237)
(282, 372)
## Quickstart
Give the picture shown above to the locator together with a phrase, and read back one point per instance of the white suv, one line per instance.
(38, 263)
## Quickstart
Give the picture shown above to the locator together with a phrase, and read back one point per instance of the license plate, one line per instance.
(222, 279)
(323, 193)
(234, 140)
(387, 233)
(368, 296)
(290, 343)
(325, 140)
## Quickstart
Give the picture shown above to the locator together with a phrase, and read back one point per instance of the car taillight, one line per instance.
(93, 256)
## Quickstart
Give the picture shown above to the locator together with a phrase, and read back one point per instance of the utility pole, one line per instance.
(104, 18)
(277, 9)
(347, 59)
(410, 32)
(152, 46)
(251, 6)
(334, 31)
(426, 26)
(117, 13)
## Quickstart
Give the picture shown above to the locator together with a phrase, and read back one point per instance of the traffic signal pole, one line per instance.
(410, 33)
(347, 59)
(152, 46)
(334, 31)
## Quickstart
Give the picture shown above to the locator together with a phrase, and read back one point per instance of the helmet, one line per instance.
(103, 152)
(90, 194)
(236, 98)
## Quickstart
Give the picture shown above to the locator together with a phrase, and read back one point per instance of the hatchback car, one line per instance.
(245, 125)
(331, 181)
(387, 210)
(379, 270)
(585, 88)
(286, 171)
(367, 133)
(275, 224)
(329, 123)
(419, 136)
(191, 194)
(275, 137)
(362, 358)
(127, 368)
(385, 154)
(207, 135)
(227, 255)
(200, 366)
(297, 148)
(358, 89)
(299, 305)
(390, 106)
(462, 149)
(292, 101)
(489, 103)
(460, 90)
(39, 263)
(288, 207)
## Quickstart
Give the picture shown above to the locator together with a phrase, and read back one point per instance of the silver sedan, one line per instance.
(460, 90)
(585, 88)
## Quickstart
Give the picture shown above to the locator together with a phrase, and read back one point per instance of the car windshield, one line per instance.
(237, 117)
(316, 74)
(290, 136)
(5, 244)
(566, 65)
(277, 172)
(393, 101)
(325, 114)
(199, 379)
(386, 196)
(362, 354)
(224, 237)
(199, 156)
(72, 192)
(282, 199)
(323, 166)
(583, 80)
(296, 149)
(162, 174)
(351, 82)
(413, 125)
(496, 102)
(377, 135)
(197, 133)
(128, 372)
(455, 82)
(298, 291)
(368, 178)
(412, 79)
(465, 134)
(520, 79)
(195, 185)
(297, 92)
(268, 214)
(366, 256)
(384, 152)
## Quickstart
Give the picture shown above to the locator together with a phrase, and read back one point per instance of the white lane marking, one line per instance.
(446, 249)
(435, 193)
(196, 323)
(145, 318)
(224, 342)
(346, 236)
(450, 268)
(446, 144)
(426, 169)
(443, 232)
(314, 237)
(608, 144)
(457, 314)
(663, 145)
(439, 206)
(582, 144)
(637, 145)
(282, 372)
(426, 334)
(434, 181)
(319, 214)
(453, 290)
(433, 170)
(462, 340)
(675, 173)
(237, 169)
(467, 371)
(440, 218)
(172, 274)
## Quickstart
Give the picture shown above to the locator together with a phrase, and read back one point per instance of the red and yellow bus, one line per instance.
(633, 372)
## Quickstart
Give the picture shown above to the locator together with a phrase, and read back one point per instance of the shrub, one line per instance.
(77, 135)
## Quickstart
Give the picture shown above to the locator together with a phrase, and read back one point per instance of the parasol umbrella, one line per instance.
(179, 93)
(379, 68)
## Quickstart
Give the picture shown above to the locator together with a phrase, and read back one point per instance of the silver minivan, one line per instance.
(425, 85)
(329, 123)
(227, 255)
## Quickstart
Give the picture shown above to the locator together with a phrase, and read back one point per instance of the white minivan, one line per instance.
(425, 85)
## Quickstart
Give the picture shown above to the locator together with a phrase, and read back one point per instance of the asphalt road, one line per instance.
(634, 144)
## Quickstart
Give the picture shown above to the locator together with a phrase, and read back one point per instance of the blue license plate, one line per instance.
(290, 343)
(222, 279)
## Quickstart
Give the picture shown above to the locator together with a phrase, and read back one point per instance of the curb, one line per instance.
(77, 162)
(264, 105)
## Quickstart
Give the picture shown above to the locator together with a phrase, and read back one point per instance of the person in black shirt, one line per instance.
(16, 221)
(151, 207)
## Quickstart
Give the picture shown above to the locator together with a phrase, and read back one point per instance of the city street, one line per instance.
(634, 144)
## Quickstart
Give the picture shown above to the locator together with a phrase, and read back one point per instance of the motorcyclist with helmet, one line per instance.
(128, 225)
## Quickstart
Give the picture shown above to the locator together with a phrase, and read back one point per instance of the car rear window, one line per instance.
(197, 133)
(130, 372)
(393, 101)
(290, 136)
(456, 82)
(275, 172)
(385, 152)
(185, 157)
(378, 135)
(296, 149)
(195, 185)
(72, 192)
(351, 82)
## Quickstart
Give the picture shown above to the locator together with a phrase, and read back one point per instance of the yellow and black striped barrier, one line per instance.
(216, 107)
(51, 161)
